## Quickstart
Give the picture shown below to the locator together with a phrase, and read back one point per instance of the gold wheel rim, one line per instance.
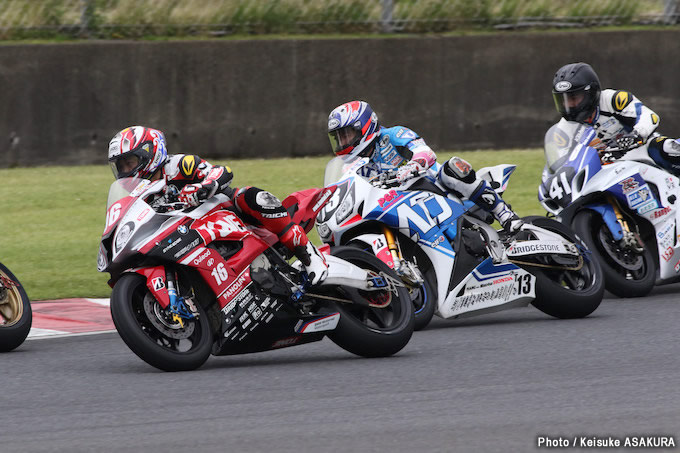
(11, 305)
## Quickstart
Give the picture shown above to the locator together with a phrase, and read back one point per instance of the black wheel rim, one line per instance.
(161, 330)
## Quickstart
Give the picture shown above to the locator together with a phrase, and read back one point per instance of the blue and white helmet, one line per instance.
(352, 128)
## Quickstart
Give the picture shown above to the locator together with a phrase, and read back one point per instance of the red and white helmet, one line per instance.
(137, 151)
(352, 128)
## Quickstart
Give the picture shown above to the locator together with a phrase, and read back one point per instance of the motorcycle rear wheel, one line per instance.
(566, 294)
(156, 339)
(618, 280)
(16, 316)
(369, 331)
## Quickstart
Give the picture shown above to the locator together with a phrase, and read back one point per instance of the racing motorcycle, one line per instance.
(188, 282)
(448, 255)
(624, 210)
(15, 311)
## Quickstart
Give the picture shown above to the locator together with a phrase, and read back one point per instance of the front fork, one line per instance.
(408, 272)
(179, 307)
(631, 239)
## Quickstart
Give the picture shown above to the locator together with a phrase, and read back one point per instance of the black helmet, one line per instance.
(576, 91)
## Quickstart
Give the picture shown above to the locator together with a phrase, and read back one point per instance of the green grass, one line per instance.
(141, 19)
(51, 218)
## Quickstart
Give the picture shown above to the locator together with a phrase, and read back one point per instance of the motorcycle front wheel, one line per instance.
(16, 316)
(626, 272)
(371, 331)
(564, 293)
(152, 333)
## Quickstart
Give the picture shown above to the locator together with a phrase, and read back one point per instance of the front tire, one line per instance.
(369, 331)
(145, 327)
(16, 316)
(626, 274)
(567, 294)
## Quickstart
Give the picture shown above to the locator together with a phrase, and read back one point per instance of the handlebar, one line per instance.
(389, 179)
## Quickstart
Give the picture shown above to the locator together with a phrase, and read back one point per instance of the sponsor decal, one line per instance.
(649, 206)
(677, 266)
(562, 86)
(182, 229)
(667, 254)
(670, 183)
(655, 118)
(322, 199)
(237, 285)
(384, 140)
(518, 249)
(187, 247)
(171, 244)
(285, 342)
(215, 173)
(638, 197)
(229, 307)
(211, 261)
(203, 256)
(629, 184)
(333, 123)
(437, 241)
(275, 215)
(158, 283)
(143, 214)
(660, 212)
(389, 199)
(621, 100)
(400, 132)
(188, 165)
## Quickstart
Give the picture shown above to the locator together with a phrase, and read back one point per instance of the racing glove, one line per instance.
(193, 194)
(408, 171)
(629, 141)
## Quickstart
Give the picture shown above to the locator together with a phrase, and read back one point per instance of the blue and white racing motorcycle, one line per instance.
(451, 260)
(625, 211)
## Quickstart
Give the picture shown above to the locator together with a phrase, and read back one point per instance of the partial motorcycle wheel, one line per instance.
(626, 273)
(567, 293)
(152, 334)
(371, 331)
(16, 316)
(423, 298)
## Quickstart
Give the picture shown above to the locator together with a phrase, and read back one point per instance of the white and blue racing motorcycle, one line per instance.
(450, 258)
(625, 211)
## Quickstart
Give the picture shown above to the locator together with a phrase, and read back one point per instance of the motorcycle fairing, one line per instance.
(427, 218)
(490, 287)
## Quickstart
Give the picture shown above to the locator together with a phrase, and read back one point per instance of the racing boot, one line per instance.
(315, 264)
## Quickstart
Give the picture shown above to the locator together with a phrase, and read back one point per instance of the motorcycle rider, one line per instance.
(619, 119)
(139, 151)
(354, 132)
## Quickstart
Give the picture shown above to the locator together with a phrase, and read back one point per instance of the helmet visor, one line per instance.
(575, 105)
(344, 139)
(126, 165)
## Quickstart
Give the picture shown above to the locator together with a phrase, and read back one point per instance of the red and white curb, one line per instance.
(66, 317)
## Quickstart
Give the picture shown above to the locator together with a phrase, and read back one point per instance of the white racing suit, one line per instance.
(620, 113)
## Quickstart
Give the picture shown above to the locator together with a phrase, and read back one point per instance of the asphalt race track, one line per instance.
(493, 383)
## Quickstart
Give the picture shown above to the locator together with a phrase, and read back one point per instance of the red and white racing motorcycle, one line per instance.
(191, 282)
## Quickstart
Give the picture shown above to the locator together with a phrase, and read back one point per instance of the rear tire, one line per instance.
(567, 294)
(16, 316)
(618, 280)
(160, 343)
(369, 331)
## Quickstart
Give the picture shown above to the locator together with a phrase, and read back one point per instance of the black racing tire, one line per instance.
(369, 331)
(143, 336)
(424, 298)
(16, 316)
(567, 294)
(619, 281)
